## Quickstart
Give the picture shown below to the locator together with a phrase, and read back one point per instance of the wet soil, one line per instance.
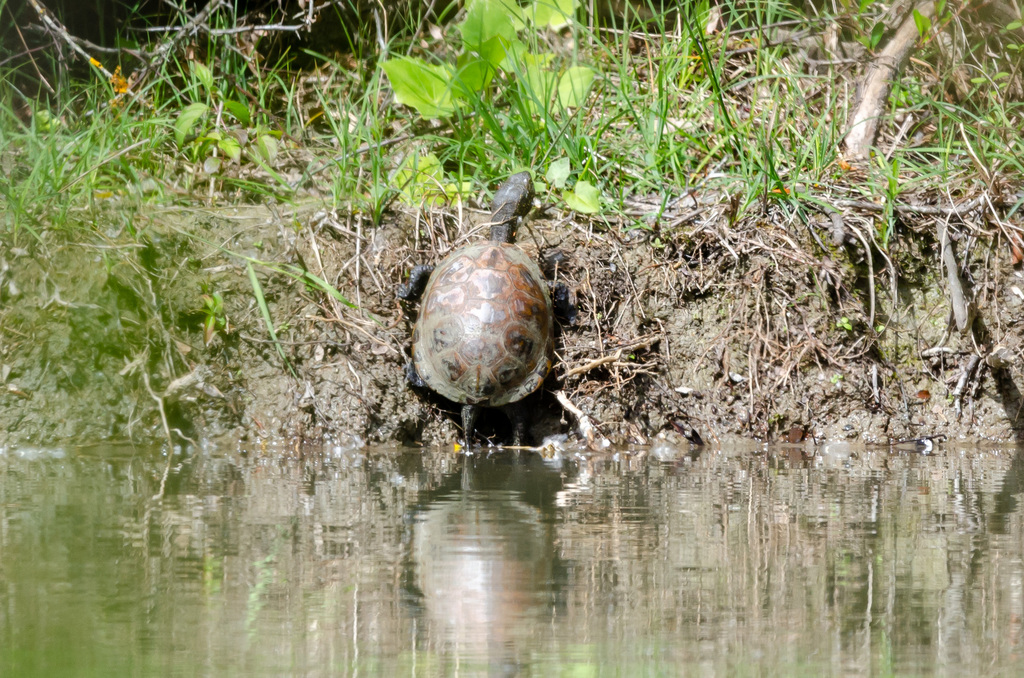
(701, 326)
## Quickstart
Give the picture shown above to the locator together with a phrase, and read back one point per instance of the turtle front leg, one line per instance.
(469, 413)
(413, 377)
(561, 300)
(418, 277)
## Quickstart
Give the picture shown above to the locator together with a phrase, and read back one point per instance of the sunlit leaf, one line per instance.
(876, 34)
(574, 85)
(472, 75)
(267, 146)
(558, 172)
(553, 14)
(420, 179)
(230, 147)
(923, 23)
(584, 198)
(420, 85)
(187, 120)
(203, 74)
(486, 19)
(537, 81)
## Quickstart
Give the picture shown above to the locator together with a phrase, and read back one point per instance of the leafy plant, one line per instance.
(214, 318)
(205, 130)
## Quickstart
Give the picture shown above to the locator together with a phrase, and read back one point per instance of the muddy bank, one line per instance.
(762, 327)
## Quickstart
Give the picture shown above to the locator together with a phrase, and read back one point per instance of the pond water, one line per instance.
(309, 561)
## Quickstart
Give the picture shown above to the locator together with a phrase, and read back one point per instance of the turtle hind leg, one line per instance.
(517, 414)
(418, 277)
(469, 413)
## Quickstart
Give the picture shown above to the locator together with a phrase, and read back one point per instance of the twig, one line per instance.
(189, 29)
(869, 256)
(163, 414)
(957, 297)
(613, 358)
(595, 440)
(961, 384)
(56, 27)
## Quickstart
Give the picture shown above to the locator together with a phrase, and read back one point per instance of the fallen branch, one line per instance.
(873, 96)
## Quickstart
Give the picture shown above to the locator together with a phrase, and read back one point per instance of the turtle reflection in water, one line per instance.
(485, 332)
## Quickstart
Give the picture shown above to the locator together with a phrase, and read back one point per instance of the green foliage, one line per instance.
(491, 46)
(585, 198)
(422, 86)
(204, 133)
(420, 180)
(214, 318)
(923, 23)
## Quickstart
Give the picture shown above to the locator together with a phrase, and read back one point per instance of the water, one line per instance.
(394, 562)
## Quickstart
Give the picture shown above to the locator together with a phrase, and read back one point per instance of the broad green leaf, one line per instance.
(231, 148)
(514, 11)
(574, 85)
(204, 75)
(187, 120)
(515, 55)
(1013, 25)
(239, 110)
(584, 198)
(420, 85)
(876, 35)
(558, 172)
(472, 75)
(211, 165)
(537, 83)
(267, 146)
(495, 50)
(553, 14)
(484, 20)
(923, 23)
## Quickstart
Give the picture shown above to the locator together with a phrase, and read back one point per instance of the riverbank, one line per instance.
(711, 330)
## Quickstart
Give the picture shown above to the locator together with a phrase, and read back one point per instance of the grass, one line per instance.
(670, 109)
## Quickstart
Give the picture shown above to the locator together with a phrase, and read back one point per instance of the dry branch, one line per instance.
(957, 296)
(877, 83)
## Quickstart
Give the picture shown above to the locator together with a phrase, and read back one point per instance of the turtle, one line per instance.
(484, 336)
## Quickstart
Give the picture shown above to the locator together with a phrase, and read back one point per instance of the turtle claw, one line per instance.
(561, 300)
(413, 377)
(418, 277)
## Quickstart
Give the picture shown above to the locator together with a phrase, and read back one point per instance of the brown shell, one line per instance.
(484, 333)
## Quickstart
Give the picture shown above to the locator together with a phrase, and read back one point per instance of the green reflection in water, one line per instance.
(396, 562)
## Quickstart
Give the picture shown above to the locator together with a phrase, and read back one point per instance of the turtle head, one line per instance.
(512, 202)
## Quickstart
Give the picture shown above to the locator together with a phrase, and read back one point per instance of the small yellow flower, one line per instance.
(118, 81)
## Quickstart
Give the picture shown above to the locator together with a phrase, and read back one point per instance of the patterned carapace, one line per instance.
(484, 334)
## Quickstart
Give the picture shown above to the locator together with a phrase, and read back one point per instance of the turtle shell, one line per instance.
(484, 335)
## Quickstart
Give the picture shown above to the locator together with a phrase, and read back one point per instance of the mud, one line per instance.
(703, 327)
